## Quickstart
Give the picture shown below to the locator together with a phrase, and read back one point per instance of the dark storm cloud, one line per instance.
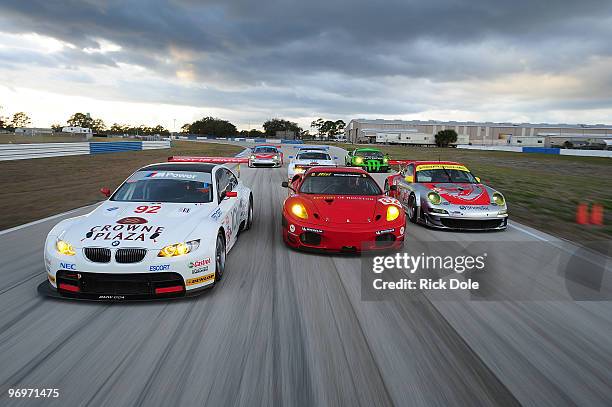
(287, 44)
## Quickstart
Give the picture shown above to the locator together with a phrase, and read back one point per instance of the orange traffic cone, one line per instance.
(582, 214)
(597, 215)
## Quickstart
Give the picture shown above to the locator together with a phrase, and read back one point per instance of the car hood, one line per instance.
(344, 208)
(314, 162)
(126, 224)
(460, 193)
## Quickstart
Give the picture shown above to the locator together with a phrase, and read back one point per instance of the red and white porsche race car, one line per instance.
(340, 209)
(164, 232)
(446, 195)
(266, 155)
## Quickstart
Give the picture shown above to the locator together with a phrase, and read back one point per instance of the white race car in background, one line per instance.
(306, 158)
(164, 232)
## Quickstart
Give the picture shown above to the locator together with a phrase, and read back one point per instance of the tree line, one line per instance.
(206, 126)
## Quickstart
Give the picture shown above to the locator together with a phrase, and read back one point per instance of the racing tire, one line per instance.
(220, 257)
(412, 209)
(249, 219)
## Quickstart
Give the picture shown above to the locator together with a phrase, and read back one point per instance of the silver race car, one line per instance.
(447, 195)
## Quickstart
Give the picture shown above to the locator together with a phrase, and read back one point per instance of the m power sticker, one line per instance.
(200, 280)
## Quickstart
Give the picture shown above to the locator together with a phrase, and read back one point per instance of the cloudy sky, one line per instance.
(246, 61)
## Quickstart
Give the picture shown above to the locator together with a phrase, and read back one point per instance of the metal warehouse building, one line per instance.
(523, 134)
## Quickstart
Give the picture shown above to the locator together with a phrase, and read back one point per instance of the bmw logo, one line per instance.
(115, 243)
(291, 228)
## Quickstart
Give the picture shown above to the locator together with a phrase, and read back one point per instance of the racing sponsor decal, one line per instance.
(402, 230)
(338, 174)
(473, 208)
(114, 208)
(111, 297)
(132, 220)
(68, 266)
(169, 174)
(381, 232)
(345, 197)
(312, 230)
(125, 231)
(441, 166)
(200, 280)
(51, 278)
(184, 210)
(389, 201)
(147, 209)
(199, 263)
(292, 228)
(216, 214)
(199, 270)
(159, 267)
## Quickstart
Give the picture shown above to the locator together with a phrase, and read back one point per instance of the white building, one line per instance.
(77, 130)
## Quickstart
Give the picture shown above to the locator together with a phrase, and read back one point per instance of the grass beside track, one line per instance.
(41, 187)
(542, 190)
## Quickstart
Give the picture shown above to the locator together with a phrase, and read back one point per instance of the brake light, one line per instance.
(165, 290)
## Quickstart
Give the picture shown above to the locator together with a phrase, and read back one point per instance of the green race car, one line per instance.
(370, 159)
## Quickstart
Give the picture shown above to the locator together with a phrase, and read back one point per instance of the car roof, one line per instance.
(266, 145)
(367, 149)
(193, 167)
(336, 169)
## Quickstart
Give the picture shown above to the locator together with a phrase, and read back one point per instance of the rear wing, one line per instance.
(400, 162)
(210, 160)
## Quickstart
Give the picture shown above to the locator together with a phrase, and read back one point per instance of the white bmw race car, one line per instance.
(164, 232)
(306, 158)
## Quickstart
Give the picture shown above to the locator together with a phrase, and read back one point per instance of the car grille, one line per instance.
(472, 223)
(97, 254)
(130, 255)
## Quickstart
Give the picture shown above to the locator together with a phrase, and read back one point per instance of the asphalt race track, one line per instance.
(288, 328)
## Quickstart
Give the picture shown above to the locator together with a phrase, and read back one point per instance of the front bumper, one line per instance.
(343, 238)
(255, 162)
(465, 218)
(373, 166)
(152, 277)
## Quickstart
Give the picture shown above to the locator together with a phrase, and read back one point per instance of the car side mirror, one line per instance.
(285, 184)
(106, 192)
(477, 179)
(393, 188)
(231, 194)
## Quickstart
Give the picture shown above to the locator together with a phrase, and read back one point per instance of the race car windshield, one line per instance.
(166, 186)
(340, 183)
(313, 156)
(266, 150)
(370, 154)
(445, 175)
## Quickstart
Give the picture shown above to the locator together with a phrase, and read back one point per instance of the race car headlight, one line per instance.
(498, 199)
(179, 249)
(299, 210)
(434, 198)
(392, 213)
(252, 157)
(65, 248)
(276, 157)
(358, 160)
(385, 160)
(299, 170)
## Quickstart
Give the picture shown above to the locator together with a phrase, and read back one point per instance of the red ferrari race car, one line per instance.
(341, 209)
(266, 155)
(446, 195)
